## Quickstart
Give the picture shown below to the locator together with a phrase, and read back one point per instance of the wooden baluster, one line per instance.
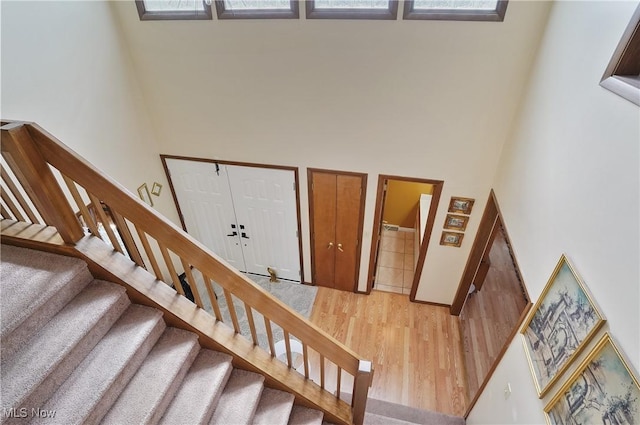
(321, 371)
(84, 211)
(149, 252)
(361, 383)
(4, 212)
(267, 326)
(287, 344)
(39, 183)
(18, 195)
(97, 206)
(212, 297)
(339, 377)
(172, 270)
(232, 310)
(192, 282)
(305, 358)
(252, 325)
(129, 243)
(12, 207)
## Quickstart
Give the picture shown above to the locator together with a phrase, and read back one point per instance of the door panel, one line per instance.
(348, 195)
(265, 205)
(204, 199)
(324, 219)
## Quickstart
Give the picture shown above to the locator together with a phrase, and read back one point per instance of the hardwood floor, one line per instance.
(416, 348)
(489, 317)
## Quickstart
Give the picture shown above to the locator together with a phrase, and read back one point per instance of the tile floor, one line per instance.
(395, 262)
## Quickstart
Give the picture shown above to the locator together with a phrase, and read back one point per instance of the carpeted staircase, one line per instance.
(75, 350)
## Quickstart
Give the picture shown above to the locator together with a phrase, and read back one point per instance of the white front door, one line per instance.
(204, 198)
(265, 206)
(246, 215)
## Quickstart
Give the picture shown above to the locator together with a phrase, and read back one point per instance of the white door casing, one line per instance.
(259, 202)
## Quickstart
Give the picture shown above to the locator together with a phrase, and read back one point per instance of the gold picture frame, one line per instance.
(560, 325)
(156, 189)
(451, 239)
(461, 205)
(143, 192)
(456, 222)
(603, 389)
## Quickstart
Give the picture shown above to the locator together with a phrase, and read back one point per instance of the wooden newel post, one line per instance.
(35, 176)
(363, 380)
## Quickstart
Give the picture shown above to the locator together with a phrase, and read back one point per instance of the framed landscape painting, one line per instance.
(603, 390)
(562, 322)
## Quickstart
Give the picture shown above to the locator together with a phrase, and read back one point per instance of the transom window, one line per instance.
(622, 76)
(173, 9)
(257, 9)
(352, 9)
(456, 10)
(476, 10)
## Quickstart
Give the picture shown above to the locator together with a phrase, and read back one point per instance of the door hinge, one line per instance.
(297, 234)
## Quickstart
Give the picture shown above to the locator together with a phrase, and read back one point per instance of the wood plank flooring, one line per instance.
(416, 348)
(489, 316)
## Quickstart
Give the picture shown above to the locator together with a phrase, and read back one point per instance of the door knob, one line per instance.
(330, 245)
(340, 247)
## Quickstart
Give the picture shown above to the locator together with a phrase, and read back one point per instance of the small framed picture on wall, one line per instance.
(456, 222)
(461, 205)
(451, 239)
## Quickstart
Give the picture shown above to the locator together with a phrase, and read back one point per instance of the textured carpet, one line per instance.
(297, 296)
(379, 412)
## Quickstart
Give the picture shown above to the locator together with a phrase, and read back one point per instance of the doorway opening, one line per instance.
(248, 214)
(403, 221)
(492, 296)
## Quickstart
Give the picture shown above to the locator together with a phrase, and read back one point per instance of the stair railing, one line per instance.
(32, 193)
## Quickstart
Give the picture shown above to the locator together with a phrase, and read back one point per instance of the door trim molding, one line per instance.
(377, 226)
(491, 217)
(363, 186)
(164, 157)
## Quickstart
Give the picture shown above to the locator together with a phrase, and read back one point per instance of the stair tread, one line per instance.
(301, 415)
(68, 338)
(239, 399)
(274, 408)
(162, 370)
(201, 389)
(98, 380)
(38, 282)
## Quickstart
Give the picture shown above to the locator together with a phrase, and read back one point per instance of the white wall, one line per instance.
(64, 66)
(568, 182)
(420, 99)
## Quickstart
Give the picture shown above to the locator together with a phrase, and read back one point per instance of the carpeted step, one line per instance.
(40, 284)
(301, 415)
(274, 408)
(239, 399)
(201, 389)
(61, 345)
(149, 392)
(97, 382)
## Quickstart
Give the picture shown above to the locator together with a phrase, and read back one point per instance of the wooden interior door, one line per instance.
(336, 211)
(348, 195)
(324, 200)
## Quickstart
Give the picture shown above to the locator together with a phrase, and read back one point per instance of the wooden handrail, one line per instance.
(38, 181)
(31, 141)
